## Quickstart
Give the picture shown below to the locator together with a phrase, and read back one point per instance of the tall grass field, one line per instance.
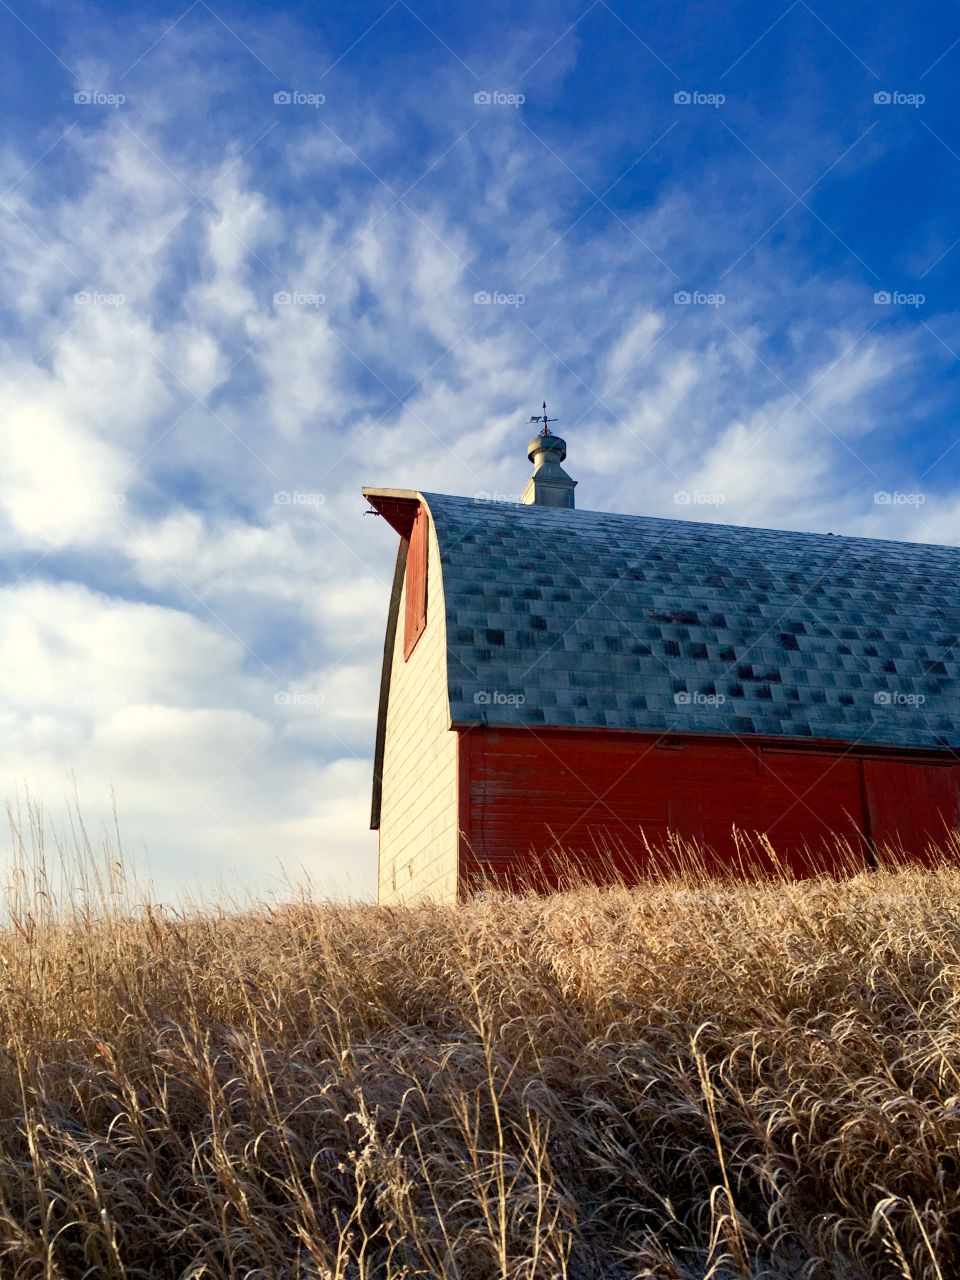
(689, 1078)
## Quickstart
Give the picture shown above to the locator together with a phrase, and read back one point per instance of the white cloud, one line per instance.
(58, 482)
(66, 648)
(164, 710)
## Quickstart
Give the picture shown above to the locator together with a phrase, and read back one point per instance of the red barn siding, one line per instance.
(526, 797)
(911, 806)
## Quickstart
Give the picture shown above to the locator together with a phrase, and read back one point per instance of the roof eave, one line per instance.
(397, 506)
(948, 753)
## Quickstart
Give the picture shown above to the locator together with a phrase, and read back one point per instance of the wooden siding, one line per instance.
(418, 800)
(909, 806)
(415, 592)
(530, 798)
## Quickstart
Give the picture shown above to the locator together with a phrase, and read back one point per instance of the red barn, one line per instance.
(561, 683)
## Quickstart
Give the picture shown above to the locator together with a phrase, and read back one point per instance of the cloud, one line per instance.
(167, 712)
(59, 482)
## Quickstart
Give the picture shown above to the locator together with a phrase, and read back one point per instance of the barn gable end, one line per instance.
(416, 766)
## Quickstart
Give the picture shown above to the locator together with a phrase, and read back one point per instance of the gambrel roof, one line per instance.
(587, 619)
(584, 618)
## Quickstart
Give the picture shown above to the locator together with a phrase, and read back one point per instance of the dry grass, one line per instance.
(683, 1079)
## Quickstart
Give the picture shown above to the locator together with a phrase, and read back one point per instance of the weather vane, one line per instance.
(542, 417)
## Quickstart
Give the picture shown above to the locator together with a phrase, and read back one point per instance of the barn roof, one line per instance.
(589, 619)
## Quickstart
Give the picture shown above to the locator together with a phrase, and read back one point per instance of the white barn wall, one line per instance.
(418, 842)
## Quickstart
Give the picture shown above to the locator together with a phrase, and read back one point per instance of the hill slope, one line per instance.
(679, 1079)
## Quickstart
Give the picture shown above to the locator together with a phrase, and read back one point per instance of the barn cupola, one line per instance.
(549, 486)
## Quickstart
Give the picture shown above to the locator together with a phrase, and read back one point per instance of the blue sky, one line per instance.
(243, 248)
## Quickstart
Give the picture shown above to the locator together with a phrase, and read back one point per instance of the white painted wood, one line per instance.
(418, 819)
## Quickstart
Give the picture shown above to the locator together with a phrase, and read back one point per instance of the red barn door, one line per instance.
(910, 806)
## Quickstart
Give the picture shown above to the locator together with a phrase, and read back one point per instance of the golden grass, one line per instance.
(686, 1078)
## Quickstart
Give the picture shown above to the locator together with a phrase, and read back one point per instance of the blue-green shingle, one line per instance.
(589, 619)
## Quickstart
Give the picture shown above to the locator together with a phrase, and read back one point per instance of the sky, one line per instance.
(256, 256)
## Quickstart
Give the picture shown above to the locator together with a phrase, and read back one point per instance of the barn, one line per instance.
(565, 684)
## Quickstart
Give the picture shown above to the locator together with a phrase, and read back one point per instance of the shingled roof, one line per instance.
(587, 619)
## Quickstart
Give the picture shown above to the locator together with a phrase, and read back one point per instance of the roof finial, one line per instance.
(542, 417)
